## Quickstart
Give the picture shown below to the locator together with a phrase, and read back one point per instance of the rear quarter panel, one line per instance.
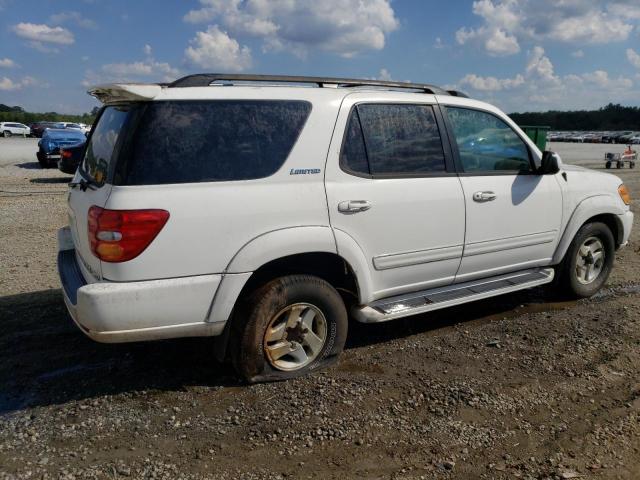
(210, 222)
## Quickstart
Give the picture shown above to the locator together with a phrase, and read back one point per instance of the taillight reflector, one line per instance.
(121, 235)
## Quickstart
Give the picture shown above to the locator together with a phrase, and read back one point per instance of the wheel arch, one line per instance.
(593, 209)
(307, 250)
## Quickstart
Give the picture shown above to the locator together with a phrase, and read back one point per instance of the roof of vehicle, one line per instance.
(200, 85)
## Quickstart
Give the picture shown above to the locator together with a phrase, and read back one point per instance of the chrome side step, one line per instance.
(442, 297)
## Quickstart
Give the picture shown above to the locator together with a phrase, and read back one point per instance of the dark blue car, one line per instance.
(51, 142)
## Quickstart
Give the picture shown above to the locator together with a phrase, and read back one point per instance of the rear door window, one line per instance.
(393, 139)
(210, 141)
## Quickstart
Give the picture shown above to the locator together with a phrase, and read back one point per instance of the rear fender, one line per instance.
(260, 251)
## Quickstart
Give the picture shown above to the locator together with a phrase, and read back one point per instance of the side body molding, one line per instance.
(586, 209)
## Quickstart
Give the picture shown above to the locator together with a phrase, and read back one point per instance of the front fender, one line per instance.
(586, 209)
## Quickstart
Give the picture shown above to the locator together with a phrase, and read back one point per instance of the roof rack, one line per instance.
(206, 79)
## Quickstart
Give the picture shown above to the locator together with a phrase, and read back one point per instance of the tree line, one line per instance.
(611, 117)
(19, 115)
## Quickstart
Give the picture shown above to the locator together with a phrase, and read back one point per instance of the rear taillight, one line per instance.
(121, 235)
(65, 153)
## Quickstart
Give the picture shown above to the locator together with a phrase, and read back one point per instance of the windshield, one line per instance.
(102, 144)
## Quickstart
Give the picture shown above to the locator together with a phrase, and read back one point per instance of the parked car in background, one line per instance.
(51, 142)
(8, 129)
(38, 128)
(635, 140)
(70, 158)
(74, 126)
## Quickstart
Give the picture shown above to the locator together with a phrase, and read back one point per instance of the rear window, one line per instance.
(210, 141)
(102, 144)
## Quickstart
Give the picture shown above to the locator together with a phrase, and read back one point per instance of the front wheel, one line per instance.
(288, 327)
(588, 261)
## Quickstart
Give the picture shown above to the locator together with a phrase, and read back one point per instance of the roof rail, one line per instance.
(206, 79)
(457, 93)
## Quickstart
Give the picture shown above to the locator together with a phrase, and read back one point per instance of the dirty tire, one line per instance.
(608, 164)
(569, 284)
(6, 134)
(258, 310)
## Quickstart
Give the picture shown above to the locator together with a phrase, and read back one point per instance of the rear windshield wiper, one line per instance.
(85, 184)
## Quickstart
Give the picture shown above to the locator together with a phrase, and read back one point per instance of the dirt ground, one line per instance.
(511, 387)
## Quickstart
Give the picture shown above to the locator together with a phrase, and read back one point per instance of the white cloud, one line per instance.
(491, 84)
(215, 49)
(147, 49)
(506, 24)
(147, 70)
(75, 18)
(538, 87)
(633, 57)
(345, 27)
(385, 75)
(40, 34)
(7, 63)
(6, 84)
(539, 66)
(577, 54)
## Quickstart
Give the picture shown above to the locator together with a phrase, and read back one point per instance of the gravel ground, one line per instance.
(512, 387)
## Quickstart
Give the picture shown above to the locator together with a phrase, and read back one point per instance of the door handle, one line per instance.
(351, 206)
(484, 196)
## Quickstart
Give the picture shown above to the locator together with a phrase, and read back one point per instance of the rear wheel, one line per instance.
(588, 261)
(608, 164)
(6, 134)
(619, 165)
(289, 327)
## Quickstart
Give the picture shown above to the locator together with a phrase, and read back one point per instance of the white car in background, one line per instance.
(8, 129)
(75, 126)
(635, 140)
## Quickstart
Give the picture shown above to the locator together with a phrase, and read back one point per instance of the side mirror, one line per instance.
(550, 163)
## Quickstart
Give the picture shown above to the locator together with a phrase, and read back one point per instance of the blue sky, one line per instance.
(520, 54)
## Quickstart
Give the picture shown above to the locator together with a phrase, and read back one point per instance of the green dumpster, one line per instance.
(537, 134)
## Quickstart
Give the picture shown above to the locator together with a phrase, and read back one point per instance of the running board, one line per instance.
(442, 297)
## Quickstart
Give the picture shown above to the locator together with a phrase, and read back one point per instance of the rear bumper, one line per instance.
(42, 155)
(134, 311)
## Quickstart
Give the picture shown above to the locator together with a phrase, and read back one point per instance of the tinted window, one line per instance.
(401, 139)
(486, 143)
(101, 146)
(208, 141)
(354, 156)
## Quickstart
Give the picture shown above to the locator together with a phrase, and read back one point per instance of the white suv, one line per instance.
(263, 210)
(9, 128)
